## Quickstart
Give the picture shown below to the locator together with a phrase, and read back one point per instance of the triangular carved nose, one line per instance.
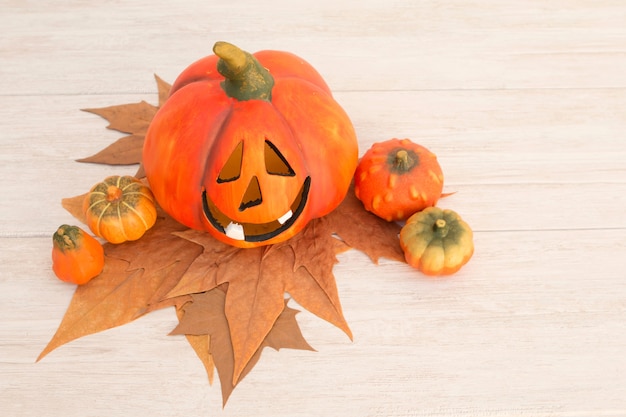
(252, 197)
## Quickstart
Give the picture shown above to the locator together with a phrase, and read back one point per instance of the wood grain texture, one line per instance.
(524, 104)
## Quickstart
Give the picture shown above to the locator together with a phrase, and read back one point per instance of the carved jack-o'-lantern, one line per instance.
(249, 147)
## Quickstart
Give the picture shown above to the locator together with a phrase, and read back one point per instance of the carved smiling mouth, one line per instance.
(256, 232)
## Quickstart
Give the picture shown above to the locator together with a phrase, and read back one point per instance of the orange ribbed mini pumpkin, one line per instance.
(120, 208)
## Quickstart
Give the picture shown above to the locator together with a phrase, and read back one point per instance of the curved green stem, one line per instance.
(246, 78)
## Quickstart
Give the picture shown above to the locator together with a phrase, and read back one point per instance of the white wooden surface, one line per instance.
(524, 102)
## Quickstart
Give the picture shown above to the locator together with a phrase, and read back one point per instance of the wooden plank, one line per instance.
(561, 152)
(523, 136)
(522, 100)
(357, 45)
(486, 207)
(501, 337)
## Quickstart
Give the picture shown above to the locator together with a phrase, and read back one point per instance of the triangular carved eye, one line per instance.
(232, 169)
(275, 162)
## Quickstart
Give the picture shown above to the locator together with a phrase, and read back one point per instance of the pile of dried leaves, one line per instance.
(230, 302)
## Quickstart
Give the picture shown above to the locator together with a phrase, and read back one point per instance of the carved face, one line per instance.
(257, 185)
(249, 150)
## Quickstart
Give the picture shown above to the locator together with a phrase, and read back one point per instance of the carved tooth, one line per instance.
(285, 217)
(235, 231)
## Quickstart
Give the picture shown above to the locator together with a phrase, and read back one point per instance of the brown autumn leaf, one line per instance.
(313, 285)
(365, 231)
(221, 263)
(204, 316)
(125, 151)
(135, 279)
(74, 205)
(163, 89)
(201, 344)
(175, 266)
(133, 119)
(258, 278)
(153, 252)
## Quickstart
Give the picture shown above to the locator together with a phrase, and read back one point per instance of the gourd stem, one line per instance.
(114, 193)
(65, 237)
(403, 161)
(233, 57)
(245, 77)
(441, 228)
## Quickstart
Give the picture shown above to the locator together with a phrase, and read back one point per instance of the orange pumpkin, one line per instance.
(397, 178)
(76, 256)
(120, 208)
(249, 147)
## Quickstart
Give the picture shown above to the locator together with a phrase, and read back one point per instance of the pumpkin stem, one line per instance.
(114, 193)
(246, 78)
(441, 228)
(403, 161)
(65, 237)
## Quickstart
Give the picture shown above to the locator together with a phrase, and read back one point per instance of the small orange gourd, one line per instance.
(76, 256)
(437, 241)
(397, 178)
(119, 209)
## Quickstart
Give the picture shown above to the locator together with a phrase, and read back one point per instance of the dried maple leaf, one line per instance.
(200, 343)
(230, 301)
(258, 278)
(204, 316)
(125, 151)
(135, 279)
(365, 231)
(74, 205)
(163, 88)
(133, 119)
(312, 255)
